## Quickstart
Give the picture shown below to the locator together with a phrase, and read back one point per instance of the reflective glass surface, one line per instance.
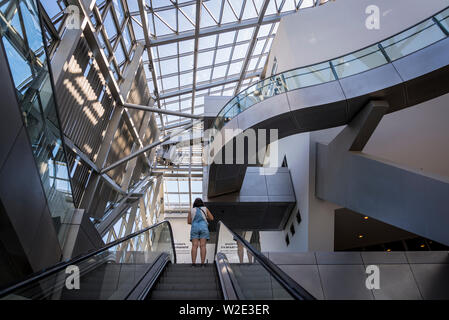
(24, 46)
(108, 275)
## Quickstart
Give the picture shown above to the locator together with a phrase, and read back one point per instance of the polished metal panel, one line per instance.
(307, 276)
(294, 258)
(396, 282)
(338, 258)
(344, 282)
(380, 257)
(416, 257)
(432, 280)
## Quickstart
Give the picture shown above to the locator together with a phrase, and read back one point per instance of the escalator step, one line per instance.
(186, 295)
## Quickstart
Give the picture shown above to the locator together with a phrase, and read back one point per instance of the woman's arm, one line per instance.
(189, 217)
(209, 215)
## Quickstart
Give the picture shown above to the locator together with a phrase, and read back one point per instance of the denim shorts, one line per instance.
(199, 231)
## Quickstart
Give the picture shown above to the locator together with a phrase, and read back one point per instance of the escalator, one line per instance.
(142, 266)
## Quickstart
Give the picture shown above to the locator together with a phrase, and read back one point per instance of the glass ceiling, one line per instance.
(220, 51)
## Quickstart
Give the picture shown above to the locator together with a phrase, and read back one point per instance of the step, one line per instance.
(187, 280)
(186, 295)
(187, 286)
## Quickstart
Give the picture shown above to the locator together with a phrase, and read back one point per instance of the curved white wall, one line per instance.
(318, 34)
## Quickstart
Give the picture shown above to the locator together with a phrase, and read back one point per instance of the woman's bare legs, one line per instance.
(240, 251)
(203, 250)
(195, 243)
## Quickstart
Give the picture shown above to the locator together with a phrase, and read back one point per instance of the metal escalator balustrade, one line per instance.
(421, 35)
(250, 275)
(124, 269)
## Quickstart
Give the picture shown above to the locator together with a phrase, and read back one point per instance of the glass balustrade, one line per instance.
(108, 274)
(391, 49)
(250, 279)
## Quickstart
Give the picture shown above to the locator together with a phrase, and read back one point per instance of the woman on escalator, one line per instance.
(199, 233)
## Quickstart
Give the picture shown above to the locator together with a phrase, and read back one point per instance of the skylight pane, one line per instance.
(170, 82)
(223, 55)
(207, 42)
(289, 6)
(205, 58)
(245, 34)
(167, 50)
(252, 64)
(186, 63)
(259, 47)
(235, 68)
(240, 51)
(226, 38)
(169, 66)
(186, 46)
(203, 75)
(186, 79)
(264, 30)
(220, 72)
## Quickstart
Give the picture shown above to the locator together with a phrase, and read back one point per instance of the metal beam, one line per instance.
(210, 85)
(152, 109)
(204, 32)
(177, 125)
(199, 4)
(145, 149)
(144, 19)
(251, 45)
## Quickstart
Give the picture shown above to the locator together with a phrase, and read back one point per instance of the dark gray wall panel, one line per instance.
(21, 191)
(11, 119)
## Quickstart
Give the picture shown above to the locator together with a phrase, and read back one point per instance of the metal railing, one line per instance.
(296, 291)
(413, 39)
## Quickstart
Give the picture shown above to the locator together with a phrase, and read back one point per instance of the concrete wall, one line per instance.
(414, 137)
(338, 28)
(316, 230)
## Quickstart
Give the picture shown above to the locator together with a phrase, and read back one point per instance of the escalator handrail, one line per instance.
(292, 287)
(62, 265)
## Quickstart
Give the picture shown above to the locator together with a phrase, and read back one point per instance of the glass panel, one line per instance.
(413, 39)
(253, 281)
(28, 65)
(359, 61)
(110, 274)
(407, 42)
(443, 18)
(308, 76)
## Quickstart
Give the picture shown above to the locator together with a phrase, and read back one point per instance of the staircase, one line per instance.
(184, 282)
